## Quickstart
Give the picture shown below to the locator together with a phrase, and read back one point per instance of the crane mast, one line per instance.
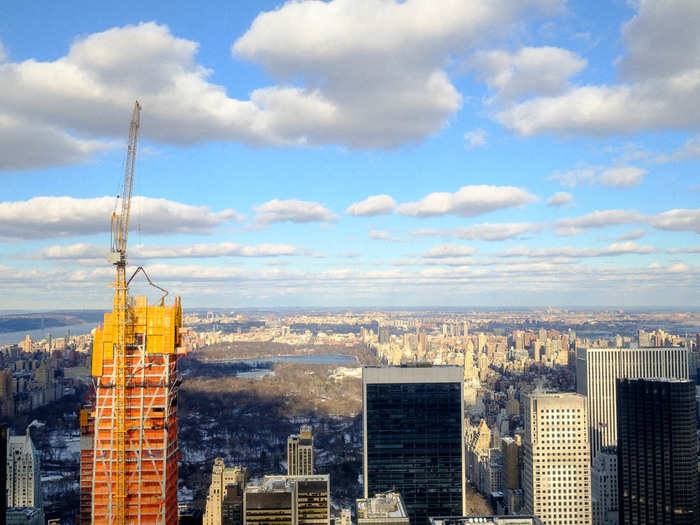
(120, 233)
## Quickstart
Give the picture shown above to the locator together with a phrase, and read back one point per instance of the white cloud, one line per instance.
(449, 250)
(631, 235)
(661, 39)
(468, 201)
(292, 210)
(671, 220)
(614, 249)
(623, 177)
(527, 71)
(689, 150)
(475, 138)
(46, 217)
(363, 75)
(689, 249)
(380, 235)
(3, 53)
(79, 250)
(483, 232)
(374, 205)
(662, 73)
(561, 198)
(677, 220)
(596, 219)
(574, 177)
(50, 146)
(619, 176)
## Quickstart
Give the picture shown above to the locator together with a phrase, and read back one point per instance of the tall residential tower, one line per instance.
(300, 453)
(597, 369)
(556, 458)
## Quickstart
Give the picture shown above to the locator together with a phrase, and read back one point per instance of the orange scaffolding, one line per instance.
(150, 452)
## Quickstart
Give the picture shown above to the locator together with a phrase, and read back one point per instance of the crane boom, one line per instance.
(120, 223)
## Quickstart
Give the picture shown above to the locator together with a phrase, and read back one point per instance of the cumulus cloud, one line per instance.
(671, 220)
(574, 177)
(50, 146)
(222, 249)
(661, 73)
(631, 235)
(380, 235)
(374, 205)
(528, 71)
(364, 75)
(475, 138)
(623, 177)
(449, 250)
(46, 217)
(468, 201)
(561, 198)
(689, 150)
(292, 210)
(619, 177)
(677, 220)
(483, 232)
(614, 249)
(689, 249)
(596, 219)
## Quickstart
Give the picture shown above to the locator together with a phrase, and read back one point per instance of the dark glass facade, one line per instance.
(657, 460)
(414, 446)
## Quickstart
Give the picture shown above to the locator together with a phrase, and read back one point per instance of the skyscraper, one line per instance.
(597, 369)
(657, 460)
(150, 455)
(300, 453)
(23, 473)
(413, 431)
(556, 473)
(225, 499)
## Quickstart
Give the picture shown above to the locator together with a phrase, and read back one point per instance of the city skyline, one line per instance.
(399, 153)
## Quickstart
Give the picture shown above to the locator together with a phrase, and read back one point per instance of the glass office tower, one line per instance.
(656, 454)
(413, 431)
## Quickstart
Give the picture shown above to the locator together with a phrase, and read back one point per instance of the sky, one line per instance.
(354, 153)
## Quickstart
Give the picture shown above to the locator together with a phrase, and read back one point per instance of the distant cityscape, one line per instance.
(535, 405)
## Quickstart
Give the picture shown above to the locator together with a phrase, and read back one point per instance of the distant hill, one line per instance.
(40, 320)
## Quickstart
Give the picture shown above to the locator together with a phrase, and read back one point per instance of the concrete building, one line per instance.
(225, 499)
(413, 432)
(23, 473)
(382, 509)
(300, 453)
(271, 503)
(24, 516)
(657, 458)
(345, 517)
(556, 457)
(597, 369)
(486, 520)
(3, 471)
(604, 487)
(288, 500)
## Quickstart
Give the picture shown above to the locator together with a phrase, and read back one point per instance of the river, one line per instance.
(39, 334)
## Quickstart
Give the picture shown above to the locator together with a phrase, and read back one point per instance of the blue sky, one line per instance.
(355, 153)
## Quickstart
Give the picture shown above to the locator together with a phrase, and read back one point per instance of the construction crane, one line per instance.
(117, 256)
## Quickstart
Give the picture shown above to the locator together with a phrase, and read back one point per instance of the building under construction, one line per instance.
(129, 452)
